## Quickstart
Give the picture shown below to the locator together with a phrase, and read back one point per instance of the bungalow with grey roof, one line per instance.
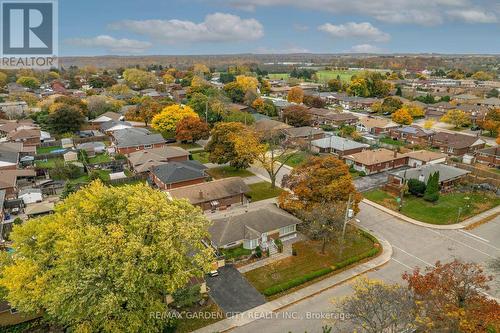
(338, 146)
(129, 140)
(448, 175)
(178, 174)
(254, 228)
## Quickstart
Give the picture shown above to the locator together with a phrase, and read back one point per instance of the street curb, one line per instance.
(264, 310)
(456, 226)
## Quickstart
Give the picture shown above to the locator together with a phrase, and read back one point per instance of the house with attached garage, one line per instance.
(219, 194)
(106, 117)
(129, 140)
(375, 161)
(448, 176)
(375, 125)
(143, 160)
(171, 175)
(455, 144)
(338, 146)
(421, 157)
(412, 135)
(489, 156)
(302, 135)
(259, 227)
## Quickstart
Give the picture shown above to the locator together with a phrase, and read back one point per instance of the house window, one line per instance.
(148, 146)
(287, 230)
(450, 150)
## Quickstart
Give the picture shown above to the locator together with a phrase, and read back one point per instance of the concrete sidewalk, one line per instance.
(266, 309)
(455, 226)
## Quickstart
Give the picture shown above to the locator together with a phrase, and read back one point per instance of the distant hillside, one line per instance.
(396, 61)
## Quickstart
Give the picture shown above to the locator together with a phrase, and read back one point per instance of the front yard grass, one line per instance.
(309, 259)
(235, 253)
(263, 191)
(295, 158)
(201, 157)
(212, 315)
(228, 171)
(444, 211)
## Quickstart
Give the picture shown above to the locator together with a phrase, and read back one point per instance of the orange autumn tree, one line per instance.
(296, 95)
(402, 117)
(450, 298)
(191, 129)
(319, 180)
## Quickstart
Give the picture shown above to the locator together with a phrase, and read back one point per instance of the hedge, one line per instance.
(278, 288)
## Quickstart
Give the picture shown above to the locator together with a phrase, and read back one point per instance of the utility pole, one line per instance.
(346, 216)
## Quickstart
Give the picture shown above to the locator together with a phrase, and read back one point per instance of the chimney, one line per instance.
(200, 194)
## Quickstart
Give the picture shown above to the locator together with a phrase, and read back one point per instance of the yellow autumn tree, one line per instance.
(402, 117)
(201, 69)
(247, 83)
(168, 78)
(296, 95)
(414, 110)
(429, 123)
(457, 118)
(167, 119)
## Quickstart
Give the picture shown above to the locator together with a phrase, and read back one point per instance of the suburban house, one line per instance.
(337, 145)
(457, 144)
(218, 194)
(421, 157)
(437, 110)
(322, 116)
(357, 103)
(476, 112)
(374, 125)
(411, 134)
(143, 160)
(111, 126)
(178, 174)
(8, 180)
(106, 117)
(302, 135)
(269, 125)
(489, 156)
(8, 159)
(129, 140)
(254, 228)
(13, 110)
(466, 99)
(374, 161)
(448, 175)
(29, 137)
(491, 102)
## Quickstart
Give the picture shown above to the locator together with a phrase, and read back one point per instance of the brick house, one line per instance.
(302, 135)
(29, 137)
(321, 116)
(375, 125)
(448, 176)
(412, 134)
(489, 156)
(130, 140)
(172, 175)
(219, 194)
(456, 144)
(143, 160)
(437, 110)
(375, 161)
(337, 146)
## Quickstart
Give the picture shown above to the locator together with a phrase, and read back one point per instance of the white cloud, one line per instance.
(111, 44)
(362, 30)
(473, 16)
(218, 27)
(365, 48)
(424, 12)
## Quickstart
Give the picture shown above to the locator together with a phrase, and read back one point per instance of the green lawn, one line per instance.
(100, 158)
(201, 157)
(192, 323)
(103, 174)
(227, 171)
(444, 211)
(296, 158)
(46, 150)
(308, 259)
(390, 141)
(48, 164)
(187, 146)
(236, 252)
(345, 75)
(262, 191)
(278, 76)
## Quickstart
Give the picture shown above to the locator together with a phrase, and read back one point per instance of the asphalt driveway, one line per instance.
(370, 182)
(232, 292)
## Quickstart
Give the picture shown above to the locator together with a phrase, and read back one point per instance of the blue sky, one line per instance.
(124, 27)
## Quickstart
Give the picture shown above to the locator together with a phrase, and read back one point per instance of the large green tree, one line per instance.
(106, 259)
(65, 118)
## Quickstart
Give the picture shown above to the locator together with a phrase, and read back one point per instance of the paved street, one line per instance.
(413, 246)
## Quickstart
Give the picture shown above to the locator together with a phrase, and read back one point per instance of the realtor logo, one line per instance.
(29, 33)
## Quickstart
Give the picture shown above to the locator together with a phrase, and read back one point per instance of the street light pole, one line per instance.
(346, 216)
